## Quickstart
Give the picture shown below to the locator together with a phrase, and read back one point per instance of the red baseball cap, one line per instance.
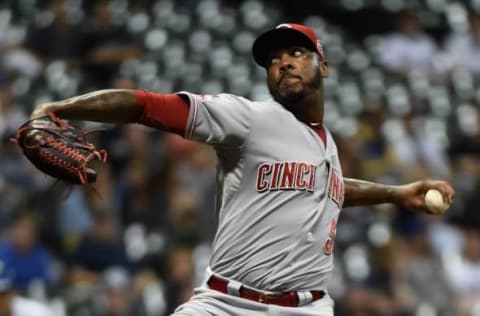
(284, 35)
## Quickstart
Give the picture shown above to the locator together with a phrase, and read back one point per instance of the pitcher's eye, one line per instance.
(297, 52)
(273, 60)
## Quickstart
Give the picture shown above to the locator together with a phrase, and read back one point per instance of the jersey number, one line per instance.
(328, 247)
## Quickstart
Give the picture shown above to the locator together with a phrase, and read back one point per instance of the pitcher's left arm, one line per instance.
(411, 195)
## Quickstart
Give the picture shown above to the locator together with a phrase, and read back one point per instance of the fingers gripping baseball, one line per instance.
(430, 196)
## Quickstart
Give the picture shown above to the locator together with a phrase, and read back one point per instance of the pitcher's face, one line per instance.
(293, 73)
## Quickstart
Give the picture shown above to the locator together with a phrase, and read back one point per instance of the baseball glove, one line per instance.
(59, 149)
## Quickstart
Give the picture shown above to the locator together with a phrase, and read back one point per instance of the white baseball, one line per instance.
(435, 202)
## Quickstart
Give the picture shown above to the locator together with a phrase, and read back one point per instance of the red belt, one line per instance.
(290, 299)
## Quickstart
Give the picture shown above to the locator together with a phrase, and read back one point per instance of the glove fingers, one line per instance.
(59, 149)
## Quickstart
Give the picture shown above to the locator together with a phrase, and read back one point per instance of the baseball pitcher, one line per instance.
(280, 187)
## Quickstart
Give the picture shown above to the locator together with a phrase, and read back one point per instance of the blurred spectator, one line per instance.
(135, 197)
(377, 156)
(180, 270)
(148, 295)
(16, 60)
(464, 273)
(194, 167)
(409, 47)
(23, 253)
(118, 299)
(12, 304)
(416, 153)
(15, 173)
(184, 214)
(104, 45)
(74, 218)
(422, 279)
(55, 37)
(464, 152)
(348, 148)
(468, 215)
(11, 114)
(378, 295)
(464, 48)
(98, 251)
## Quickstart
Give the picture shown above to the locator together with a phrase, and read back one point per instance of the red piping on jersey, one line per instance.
(193, 102)
(320, 130)
(167, 112)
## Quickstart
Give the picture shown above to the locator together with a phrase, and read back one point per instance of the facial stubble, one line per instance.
(289, 100)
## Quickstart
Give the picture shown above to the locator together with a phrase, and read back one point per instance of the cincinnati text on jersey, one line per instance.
(336, 188)
(285, 175)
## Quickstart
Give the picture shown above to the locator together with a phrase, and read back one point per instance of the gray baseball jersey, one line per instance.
(279, 192)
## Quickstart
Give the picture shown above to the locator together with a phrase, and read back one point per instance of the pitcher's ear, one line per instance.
(324, 68)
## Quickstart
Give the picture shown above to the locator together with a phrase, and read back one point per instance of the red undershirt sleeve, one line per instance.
(163, 111)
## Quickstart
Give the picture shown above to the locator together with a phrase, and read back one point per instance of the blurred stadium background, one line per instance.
(402, 99)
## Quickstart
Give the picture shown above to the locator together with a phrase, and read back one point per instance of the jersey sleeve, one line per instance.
(221, 119)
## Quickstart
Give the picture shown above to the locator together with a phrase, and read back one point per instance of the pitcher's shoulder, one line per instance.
(269, 106)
